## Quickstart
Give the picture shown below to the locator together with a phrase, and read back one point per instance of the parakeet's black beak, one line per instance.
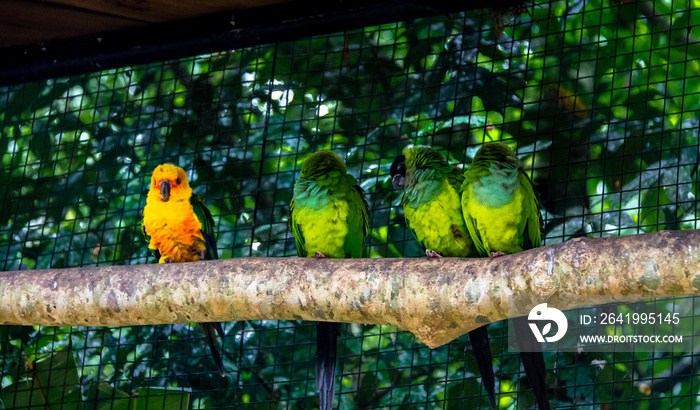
(164, 190)
(398, 181)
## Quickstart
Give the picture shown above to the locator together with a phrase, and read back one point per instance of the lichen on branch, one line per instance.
(436, 299)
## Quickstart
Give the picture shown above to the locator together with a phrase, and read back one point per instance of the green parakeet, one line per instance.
(330, 218)
(502, 215)
(433, 211)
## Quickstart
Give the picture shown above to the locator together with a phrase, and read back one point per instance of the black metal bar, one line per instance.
(200, 35)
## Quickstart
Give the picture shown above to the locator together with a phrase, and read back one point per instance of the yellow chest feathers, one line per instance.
(500, 228)
(326, 230)
(438, 223)
(174, 229)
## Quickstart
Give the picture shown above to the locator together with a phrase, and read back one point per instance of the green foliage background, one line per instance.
(600, 99)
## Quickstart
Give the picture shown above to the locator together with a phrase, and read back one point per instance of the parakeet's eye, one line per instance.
(177, 181)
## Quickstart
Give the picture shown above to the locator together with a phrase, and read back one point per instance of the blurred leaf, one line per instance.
(161, 398)
(51, 382)
(102, 396)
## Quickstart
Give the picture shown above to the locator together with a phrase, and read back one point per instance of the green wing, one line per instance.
(472, 174)
(364, 211)
(455, 177)
(532, 229)
(210, 328)
(470, 221)
(296, 230)
(207, 222)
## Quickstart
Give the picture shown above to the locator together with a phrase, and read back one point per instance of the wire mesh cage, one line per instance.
(598, 99)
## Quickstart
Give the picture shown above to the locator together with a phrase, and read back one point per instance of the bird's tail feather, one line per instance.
(326, 351)
(219, 329)
(533, 361)
(479, 338)
(210, 331)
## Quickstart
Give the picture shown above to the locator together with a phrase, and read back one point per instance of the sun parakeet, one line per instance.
(502, 215)
(179, 228)
(330, 219)
(433, 211)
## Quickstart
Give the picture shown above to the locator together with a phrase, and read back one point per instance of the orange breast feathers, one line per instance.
(169, 219)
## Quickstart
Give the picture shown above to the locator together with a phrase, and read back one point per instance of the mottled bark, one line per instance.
(436, 299)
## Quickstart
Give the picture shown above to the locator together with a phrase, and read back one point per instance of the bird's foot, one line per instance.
(319, 255)
(432, 254)
(166, 260)
(199, 252)
(497, 254)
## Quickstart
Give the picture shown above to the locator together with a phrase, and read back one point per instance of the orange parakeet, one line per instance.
(180, 228)
(330, 218)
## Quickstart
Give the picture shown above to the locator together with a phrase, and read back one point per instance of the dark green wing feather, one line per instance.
(476, 236)
(365, 219)
(207, 222)
(473, 173)
(455, 177)
(470, 175)
(155, 252)
(470, 221)
(532, 232)
(210, 328)
(296, 230)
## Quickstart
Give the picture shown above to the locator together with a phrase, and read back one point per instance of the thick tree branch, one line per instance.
(437, 300)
